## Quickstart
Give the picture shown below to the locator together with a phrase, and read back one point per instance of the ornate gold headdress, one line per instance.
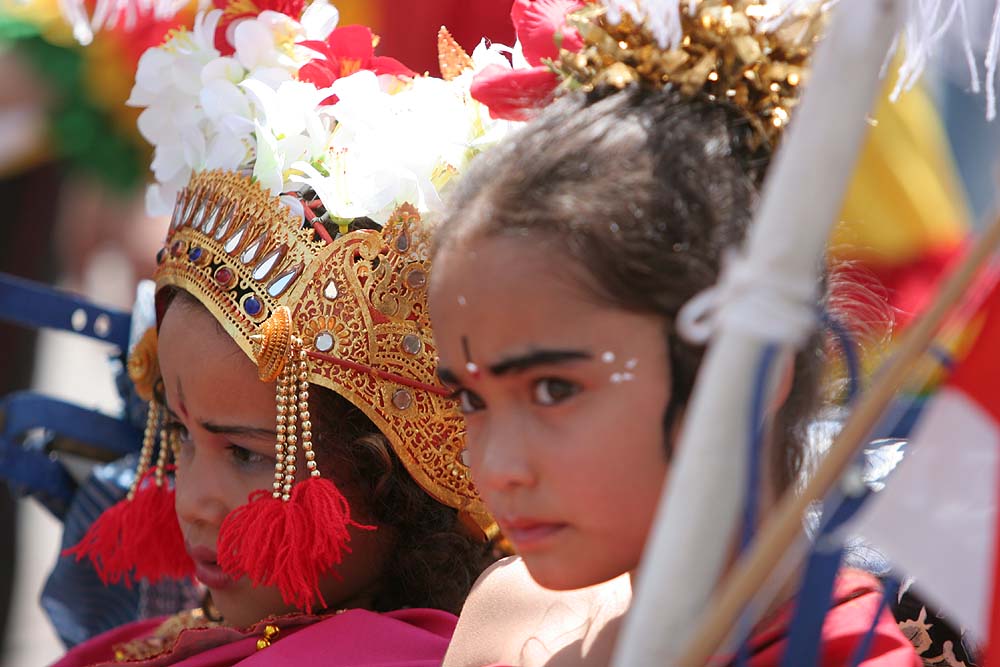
(351, 314)
(751, 54)
(736, 51)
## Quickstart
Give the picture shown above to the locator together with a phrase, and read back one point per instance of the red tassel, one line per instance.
(106, 547)
(157, 538)
(137, 539)
(290, 544)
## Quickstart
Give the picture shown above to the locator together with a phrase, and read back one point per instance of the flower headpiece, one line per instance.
(750, 54)
(269, 150)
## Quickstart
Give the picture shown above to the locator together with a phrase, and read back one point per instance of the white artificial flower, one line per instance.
(393, 148)
(385, 142)
(319, 20)
(291, 127)
(168, 85)
(208, 111)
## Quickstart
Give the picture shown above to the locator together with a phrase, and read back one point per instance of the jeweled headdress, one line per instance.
(749, 54)
(301, 170)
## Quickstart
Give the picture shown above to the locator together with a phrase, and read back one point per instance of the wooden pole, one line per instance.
(780, 531)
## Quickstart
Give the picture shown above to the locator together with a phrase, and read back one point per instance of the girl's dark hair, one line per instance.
(434, 559)
(644, 190)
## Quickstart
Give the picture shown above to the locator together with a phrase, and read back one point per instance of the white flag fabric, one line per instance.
(936, 520)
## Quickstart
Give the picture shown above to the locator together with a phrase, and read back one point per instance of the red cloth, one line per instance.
(857, 596)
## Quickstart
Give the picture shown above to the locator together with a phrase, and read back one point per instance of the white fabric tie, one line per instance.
(752, 299)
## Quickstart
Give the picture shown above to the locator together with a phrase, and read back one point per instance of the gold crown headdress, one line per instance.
(354, 306)
(732, 51)
(750, 54)
(345, 310)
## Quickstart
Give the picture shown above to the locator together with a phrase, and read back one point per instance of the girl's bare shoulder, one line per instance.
(508, 619)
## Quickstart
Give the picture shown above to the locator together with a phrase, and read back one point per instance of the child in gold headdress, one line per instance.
(561, 271)
(301, 458)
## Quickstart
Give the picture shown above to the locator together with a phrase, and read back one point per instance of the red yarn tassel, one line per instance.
(106, 546)
(290, 544)
(158, 541)
(137, 539)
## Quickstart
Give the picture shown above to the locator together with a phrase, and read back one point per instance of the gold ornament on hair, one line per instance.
(143, 365)
(729, 53)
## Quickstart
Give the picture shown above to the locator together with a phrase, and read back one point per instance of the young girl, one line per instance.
(319, 494)
(560, 272)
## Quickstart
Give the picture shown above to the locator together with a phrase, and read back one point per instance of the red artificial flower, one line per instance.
(542, 30)
(514, 94)
(146, 32)
(234, 10)
(347, 50)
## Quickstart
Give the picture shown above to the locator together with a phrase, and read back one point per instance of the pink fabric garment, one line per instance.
(355, 638)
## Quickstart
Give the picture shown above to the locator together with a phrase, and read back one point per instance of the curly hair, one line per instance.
(435, 559)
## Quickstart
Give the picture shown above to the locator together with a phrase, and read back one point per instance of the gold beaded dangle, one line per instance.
(292, 437)
(304, 416)
(281, 440)
(282, 357)
(148, 443)
(161, 459)
(293, 422)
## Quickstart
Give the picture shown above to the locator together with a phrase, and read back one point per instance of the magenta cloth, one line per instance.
(354, 638)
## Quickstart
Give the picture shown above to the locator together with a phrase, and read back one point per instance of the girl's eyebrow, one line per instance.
(246, 431)
(521, 363)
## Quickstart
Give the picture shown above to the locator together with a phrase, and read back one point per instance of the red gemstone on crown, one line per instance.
(224, 276)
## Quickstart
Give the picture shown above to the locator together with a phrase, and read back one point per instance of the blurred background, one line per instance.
(73, 167)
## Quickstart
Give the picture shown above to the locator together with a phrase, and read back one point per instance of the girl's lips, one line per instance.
(207, 569)
(212, 575)
(528, 534)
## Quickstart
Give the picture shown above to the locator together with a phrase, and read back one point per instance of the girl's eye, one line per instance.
(469, 401)
(177, 432)
(245, 456)
(552, 391)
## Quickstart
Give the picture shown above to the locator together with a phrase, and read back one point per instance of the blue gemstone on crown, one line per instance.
(252, 306)
(194, 254)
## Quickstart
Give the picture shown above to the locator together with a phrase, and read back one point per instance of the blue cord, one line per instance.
(758, 418)
(850, 351)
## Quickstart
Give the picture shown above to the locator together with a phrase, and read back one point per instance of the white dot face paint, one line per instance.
(608, 357)
(631, 364)
(461, 301)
